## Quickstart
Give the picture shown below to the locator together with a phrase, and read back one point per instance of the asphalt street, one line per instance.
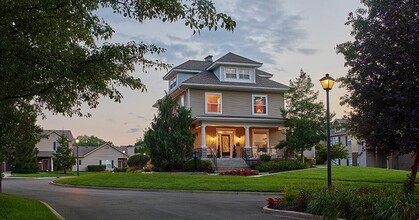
(83, 203)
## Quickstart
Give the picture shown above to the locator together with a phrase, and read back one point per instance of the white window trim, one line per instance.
(221, 102)
(267, 137)
(253, 104)
(237, 79)
(170, 83)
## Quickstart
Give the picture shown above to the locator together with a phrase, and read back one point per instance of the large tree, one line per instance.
(383, 76)
(64, 157)
(18, 136)
(56, 54)
(86, 140)
(304, 116)
(169, 138)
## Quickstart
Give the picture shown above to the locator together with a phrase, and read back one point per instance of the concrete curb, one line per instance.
(291, 214)
(53, 211)
(167, 190)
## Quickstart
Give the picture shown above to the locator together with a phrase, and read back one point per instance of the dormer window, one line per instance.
(237, 74)
(172, 83)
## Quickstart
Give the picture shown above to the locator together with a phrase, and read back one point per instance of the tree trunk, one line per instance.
(415, 168)
(302, 155)
(1, 180)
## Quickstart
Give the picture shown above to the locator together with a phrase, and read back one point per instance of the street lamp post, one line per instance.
(77, 148)
(327, 84)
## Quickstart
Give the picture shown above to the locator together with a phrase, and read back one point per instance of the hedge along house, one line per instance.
(235, 106)
(106, 154)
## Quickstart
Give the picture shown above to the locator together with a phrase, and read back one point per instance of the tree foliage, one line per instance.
(92, 141)
(141, 147)
(337, 151)
(51, 52)
(383, 77)
(304, 116)
(64, 158)
(169, 138)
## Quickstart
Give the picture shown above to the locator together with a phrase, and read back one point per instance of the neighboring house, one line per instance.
(234, 104)
(359, 156)
(48, 145)
(106, 154)
(338, 134)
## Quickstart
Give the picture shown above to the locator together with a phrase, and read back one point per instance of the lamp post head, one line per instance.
(327, 82)
(77, 141)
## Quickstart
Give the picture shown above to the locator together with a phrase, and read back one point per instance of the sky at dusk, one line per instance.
(285, 36)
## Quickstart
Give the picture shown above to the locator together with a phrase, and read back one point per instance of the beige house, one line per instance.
(235, 105)
(106, 154)
(48, 145)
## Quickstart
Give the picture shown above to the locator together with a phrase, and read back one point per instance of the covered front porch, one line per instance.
(237, 140)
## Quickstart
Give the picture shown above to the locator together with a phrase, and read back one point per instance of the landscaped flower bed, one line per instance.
(240, 173)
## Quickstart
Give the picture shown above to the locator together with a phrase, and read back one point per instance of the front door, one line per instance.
(225, 145)
(45, 165)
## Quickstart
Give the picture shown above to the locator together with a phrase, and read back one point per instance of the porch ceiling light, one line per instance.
(327, 82)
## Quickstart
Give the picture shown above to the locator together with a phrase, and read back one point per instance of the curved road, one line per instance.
(83, 203)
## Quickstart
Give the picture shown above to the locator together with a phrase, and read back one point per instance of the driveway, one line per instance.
(82, 203)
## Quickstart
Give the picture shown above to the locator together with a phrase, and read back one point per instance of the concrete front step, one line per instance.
(226, 164)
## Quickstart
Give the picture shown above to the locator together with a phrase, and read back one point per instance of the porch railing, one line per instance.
(245, 157)
(213, 157)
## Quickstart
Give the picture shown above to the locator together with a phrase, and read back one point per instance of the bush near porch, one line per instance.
(279, 166)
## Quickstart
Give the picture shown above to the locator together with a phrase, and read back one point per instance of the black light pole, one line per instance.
(77, 148)
(327, 84)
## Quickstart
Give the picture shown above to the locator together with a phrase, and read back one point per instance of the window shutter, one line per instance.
(100, 162)
(112, 163)
(54, 145)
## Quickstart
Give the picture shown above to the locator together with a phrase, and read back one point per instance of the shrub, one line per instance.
(265, 158)
(96, 168)
(147, 169)
(138, 160)
(278, 166)
(118, 170)
(311, 161)
(201, 165)
(363, 204)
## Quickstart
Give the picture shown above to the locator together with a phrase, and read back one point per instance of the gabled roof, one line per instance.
(234, 58)
(67, 133)
(208, 79)
(192, 66)
(86, 151)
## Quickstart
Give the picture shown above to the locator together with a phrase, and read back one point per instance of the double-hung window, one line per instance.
(244, 74)
(259, 104)
(231, 73)
(213, 103)
(172, 83)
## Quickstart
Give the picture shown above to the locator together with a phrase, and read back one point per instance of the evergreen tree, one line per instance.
(305, 118)
(170, 139)
(383, 77)
(63, 157)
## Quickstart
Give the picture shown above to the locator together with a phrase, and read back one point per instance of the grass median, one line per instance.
(314, 178)
(17, 207)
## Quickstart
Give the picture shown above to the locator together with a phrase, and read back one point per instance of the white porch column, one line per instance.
(52, 164)
(203, 142)
(247, 144)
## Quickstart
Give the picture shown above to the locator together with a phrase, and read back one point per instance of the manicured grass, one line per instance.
(280, 182)
(50, 174)
(16, 207)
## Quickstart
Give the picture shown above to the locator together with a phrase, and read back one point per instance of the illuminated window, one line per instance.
(260, 104)
(213, 102)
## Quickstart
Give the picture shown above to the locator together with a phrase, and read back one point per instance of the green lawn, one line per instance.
(16, 207)
(280, 182)
(50, 174)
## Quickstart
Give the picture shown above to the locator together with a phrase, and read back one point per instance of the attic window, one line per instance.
(172, 83)
(237, 74)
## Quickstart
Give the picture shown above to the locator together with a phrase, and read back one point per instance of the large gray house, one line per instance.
(235, 105)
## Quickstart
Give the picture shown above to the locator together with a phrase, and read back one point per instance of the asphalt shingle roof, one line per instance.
(194, 65)
(234, 58)
(67, 133)
(208, 78)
